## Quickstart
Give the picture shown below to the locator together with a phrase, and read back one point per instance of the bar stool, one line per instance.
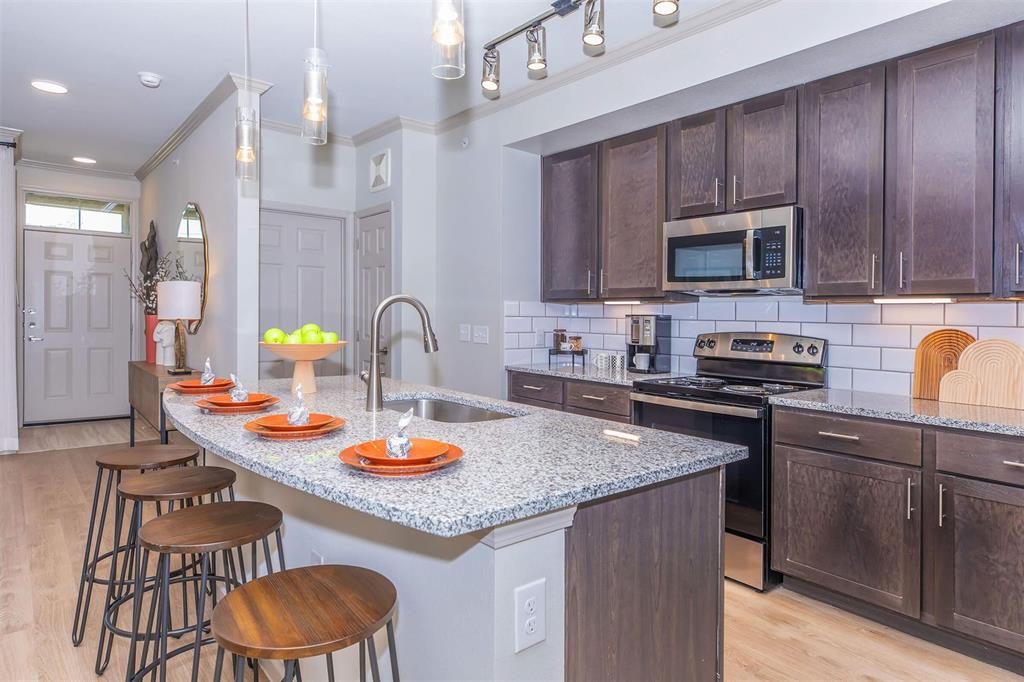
(185, 486)
(202, 530)
(306, 612)
(113, 463)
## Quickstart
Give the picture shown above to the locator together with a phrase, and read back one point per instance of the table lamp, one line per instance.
(178, 301)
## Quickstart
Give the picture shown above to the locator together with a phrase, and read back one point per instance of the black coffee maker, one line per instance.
(650, 335)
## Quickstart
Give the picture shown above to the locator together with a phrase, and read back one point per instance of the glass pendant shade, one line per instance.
(665, 8)
(314, 100)
(593, 23)
(449, 40)
(536, 48)
(245, 143)
(490, 81)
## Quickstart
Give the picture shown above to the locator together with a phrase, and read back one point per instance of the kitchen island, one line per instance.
(622, 524)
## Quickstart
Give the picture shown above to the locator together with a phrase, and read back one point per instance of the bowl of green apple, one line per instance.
(304, 346)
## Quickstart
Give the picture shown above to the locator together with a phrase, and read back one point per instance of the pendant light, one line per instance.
(665, 8)
(245, 120)
(593, 23)
(536, 48)
(449, 39)
(490, 81)
(314, 100)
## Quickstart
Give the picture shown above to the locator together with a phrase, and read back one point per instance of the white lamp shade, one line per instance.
(178, 300)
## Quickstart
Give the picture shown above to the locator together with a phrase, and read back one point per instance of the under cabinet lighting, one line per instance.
(51, 87)
(897, 301)
(83, 159)
(623, 302)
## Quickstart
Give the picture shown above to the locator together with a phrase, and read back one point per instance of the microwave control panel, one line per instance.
(773, 252)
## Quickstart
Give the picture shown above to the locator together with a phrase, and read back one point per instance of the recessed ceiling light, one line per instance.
(52, 87)
(83, 159)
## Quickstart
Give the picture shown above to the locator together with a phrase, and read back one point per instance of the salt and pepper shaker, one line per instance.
(298, 415)
(208, 376)
(398, 443)
(238, 394)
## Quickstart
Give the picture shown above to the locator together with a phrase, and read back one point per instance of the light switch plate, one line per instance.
(465, 333)
(481, 333)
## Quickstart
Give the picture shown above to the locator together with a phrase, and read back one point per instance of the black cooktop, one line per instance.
(719, 389)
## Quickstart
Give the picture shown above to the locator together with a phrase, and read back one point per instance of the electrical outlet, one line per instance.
(316, 558)
(530, 623)
(481, 333)
(465, 333)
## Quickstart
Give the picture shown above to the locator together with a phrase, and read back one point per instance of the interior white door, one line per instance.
(77, 326)
(300, 281)
(373, 283)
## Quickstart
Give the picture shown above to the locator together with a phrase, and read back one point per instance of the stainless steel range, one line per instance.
(727, 400)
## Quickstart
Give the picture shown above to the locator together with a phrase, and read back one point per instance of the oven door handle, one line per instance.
(731, 410)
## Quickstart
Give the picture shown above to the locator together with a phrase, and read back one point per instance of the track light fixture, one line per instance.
(664, 8)
(593, 23)
(490, 81)
(536, 48)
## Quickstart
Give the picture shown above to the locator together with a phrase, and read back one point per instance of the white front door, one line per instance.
(300, 281)
(373, 283)
(77, 326)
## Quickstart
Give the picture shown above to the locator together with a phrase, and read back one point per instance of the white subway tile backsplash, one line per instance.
(734, 326)
(511, 341)
(574, 324)
(715, 309)
(528, 341)
(982, 314)
(1015, 334)
(540, 355)
(682, 346)
(864, 313)
(593, 340)
(680, 311)
(602, 325)
(590, 309)
(687, 364)
(532, 309)
(614, 342)
(518, 324)
(913, 313)
(779, 327)
(918, 332)
(888, 335)
(833, 333)
(839, 377)
(881, 382)
(518, 356)
(854, 357)
(544, 324)
(694, 328)
(763, 309)
(512, 308)
(898, 359)
(558, 310)
(796, 311)
(616, 311)
(647, 309)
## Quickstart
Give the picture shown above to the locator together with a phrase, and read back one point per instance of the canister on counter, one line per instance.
(558, 337)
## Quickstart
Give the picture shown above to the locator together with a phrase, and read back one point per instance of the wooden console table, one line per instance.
(146, 383)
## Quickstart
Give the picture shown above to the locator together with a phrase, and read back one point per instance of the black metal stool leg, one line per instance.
(85, 591)
(218, 667)
(204, 573)
(393, 651)
(289, 671)
(141, 561)
(330, 668)
(362, 661)
(374, 666)
(165, 612)
(239, 668)
(104, 644)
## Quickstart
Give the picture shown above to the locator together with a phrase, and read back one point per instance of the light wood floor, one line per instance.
(81, 434)
(44, 503)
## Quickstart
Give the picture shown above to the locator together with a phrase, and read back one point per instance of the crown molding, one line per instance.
(292, 129)
(529, 528)
(77, 170)
(690, 26)
(12, 136)
(390, 126)
(251, 84)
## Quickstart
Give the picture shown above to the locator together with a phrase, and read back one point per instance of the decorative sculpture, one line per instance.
(163, 335)
(150, 257)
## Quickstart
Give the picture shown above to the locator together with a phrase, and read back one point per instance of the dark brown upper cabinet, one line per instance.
(570, 219)
(761, 151)
(1009, 209)
(632, 214)
(842, 182)
(696, 165)
(940, 166)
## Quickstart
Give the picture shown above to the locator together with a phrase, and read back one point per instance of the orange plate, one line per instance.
(197, 383)
(224, 400)
(349, 457)
(334, 425)
(279, 422)
(201, 390)
(240, 409)
(423, 451)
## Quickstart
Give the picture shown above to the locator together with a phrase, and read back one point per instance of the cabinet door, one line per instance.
(979, 562)
(849, 525)
(696, 165)
(1010, 162)
(570, 224)
(632, 214)
(940, 141)
(842, 180)
(762, 151)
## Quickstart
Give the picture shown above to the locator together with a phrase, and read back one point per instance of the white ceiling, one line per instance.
(379, 51)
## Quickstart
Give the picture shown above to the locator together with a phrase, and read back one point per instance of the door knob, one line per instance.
(35, 339)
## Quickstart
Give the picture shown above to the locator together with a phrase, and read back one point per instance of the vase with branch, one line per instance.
(143, 290)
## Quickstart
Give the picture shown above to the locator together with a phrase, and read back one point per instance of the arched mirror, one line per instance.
(193, 254)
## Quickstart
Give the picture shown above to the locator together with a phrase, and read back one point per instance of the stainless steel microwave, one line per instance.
(752, 252)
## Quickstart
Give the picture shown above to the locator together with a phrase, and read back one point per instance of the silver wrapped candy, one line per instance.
(298, 415)
(208, 375)
(239, 394)
(398, 443)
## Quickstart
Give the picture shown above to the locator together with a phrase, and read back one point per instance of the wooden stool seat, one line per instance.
(176, 484)
(210, 527)
(303, 612)
(144, 457)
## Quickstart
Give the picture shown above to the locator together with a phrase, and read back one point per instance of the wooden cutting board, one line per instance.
(990, 372)
(937, 355)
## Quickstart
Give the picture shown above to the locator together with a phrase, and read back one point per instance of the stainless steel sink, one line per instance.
(440, 410)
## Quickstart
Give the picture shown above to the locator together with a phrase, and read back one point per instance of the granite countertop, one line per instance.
(996, 420)
(588, 373)
(536, 462)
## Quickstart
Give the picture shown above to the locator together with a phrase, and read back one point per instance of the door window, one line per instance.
(74, 213)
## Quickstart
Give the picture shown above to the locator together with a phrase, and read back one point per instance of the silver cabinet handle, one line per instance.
(874, 267)
(838, 436)
(601, 289)
(1016, 264)
(902, 280)
(35, 339)
(533, 388)
(717, 183)
(909, 508)
(590, 287)
(942, 489)
(735, 190)
(592, 397)
(1013, 464)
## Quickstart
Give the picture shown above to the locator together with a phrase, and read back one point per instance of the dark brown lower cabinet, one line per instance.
(850, 525)
(979, 560)
(591, 399)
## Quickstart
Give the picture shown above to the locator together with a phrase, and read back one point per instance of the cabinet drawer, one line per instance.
(887, 442)
(980, 457)
(598, 415)
(611, 399)
(535, 387)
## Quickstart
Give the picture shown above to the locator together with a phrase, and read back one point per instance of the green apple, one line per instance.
(274, 335)
(310, 327)
(311, 336)
(330, 337)
(296, 332)
(293, 338)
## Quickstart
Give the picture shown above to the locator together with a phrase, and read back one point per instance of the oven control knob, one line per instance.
(701, 343)
(712, 343)
(798, 348)
(812, 349)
